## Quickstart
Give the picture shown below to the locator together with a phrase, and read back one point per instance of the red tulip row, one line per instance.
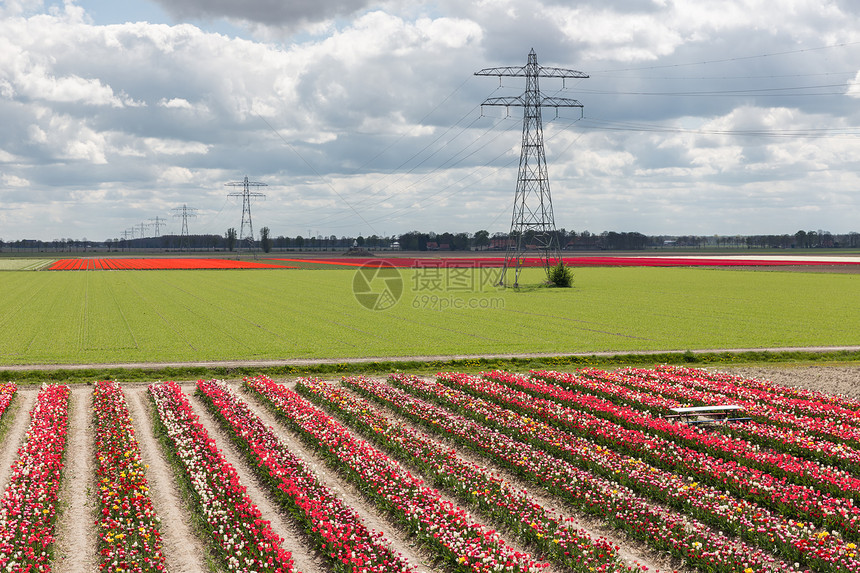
(703, 376)
(811, 437)
(663, 529)
(801, 401)
(679, 387)
(242, 538)
(801, 501)
(795, 540)
(467, 545)
(7, 392)
(645, 394)
(129, 539)
(28, 508)
(557, 536)
(837, 482)
(337, 529)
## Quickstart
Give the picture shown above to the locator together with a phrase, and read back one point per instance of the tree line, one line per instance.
(481, 240)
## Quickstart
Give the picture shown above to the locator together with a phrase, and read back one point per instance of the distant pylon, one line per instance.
(246, 196)
(184, 212)
(532, 218)
(157, 223)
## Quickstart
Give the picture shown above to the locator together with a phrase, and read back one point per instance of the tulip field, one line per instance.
(495, 472)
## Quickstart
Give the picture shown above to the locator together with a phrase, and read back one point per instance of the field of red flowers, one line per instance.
(584, 472)
(585, 261)
(153, 264)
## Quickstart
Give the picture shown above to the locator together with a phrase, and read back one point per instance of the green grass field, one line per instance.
(155, 316)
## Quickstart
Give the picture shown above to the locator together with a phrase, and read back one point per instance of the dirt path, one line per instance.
(183, 551)
(843, 380)
(18, 421)
(418, 359)
(76, 545)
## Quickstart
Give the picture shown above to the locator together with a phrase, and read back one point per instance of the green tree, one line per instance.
(265, 240)
(481, 239)
(230, 237)
(561, 275)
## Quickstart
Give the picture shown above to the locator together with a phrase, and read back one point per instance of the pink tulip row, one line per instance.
(645, 394)
(802, 401)
(337, 529)
(557, 536)
(663, 529)
(795, 540)
(465, 544)
(129, 539)
(28, 508)
(7, 392)
(241, 537)
(801, 501)
(679, 387)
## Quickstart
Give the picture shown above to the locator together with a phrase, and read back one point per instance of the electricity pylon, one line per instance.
(184, 212)
(246, 194)
(532, 218)
(157, 222)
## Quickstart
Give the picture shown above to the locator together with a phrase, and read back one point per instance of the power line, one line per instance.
(724, 60)
(806, 133)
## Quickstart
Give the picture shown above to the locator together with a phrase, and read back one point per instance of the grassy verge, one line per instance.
(469, 365)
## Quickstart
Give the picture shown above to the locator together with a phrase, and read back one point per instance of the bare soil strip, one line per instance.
(183, 551)
(843, 380)
(76, 544)
(19, 421)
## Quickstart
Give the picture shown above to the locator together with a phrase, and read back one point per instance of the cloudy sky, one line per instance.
(365, 116)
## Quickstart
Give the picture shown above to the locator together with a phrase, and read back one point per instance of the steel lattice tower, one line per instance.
(184, 212)
(246, 194)
(158, 222)
(532, 217)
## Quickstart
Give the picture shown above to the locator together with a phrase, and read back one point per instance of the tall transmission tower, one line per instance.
(142, 226)
(157, 222)
(247, 195)
(184, 212)
(532, 222)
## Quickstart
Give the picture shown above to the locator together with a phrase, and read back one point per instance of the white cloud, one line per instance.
(13, 181)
